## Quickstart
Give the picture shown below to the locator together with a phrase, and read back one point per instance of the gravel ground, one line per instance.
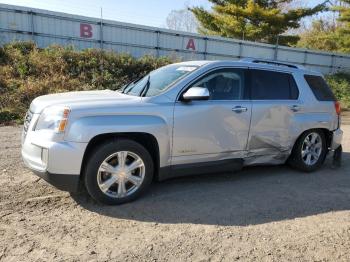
(258, 214)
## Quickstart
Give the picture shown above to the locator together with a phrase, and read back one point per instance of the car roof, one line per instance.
(195, 63)
(256, 63)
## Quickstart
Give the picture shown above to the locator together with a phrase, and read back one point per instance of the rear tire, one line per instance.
(118, 171)
(309, 151)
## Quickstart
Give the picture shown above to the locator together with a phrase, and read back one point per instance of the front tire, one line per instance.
(309, 151)
(118, 171)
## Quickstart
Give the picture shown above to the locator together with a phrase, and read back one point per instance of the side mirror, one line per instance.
(196, 93)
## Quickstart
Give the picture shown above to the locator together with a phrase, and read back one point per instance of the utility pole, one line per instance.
(276, 47)
(101, 29)
(101, 45)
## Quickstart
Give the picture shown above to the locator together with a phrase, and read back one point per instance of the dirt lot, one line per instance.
(258, 214)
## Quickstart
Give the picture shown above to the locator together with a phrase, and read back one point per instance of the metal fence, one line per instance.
(46, 28)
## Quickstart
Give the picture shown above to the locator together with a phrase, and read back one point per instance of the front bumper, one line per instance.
(53, 159)
(64, 182)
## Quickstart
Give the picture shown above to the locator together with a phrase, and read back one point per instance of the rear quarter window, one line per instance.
(320, 88)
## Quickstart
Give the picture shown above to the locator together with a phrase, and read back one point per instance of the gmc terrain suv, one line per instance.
(181, 119)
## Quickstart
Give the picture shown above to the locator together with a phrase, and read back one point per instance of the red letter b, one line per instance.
(85, 30)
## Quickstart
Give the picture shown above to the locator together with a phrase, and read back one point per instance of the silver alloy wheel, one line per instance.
(311, 149)
(121, 174)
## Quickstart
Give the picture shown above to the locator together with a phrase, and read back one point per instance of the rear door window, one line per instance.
(320, 88)
(270, 85)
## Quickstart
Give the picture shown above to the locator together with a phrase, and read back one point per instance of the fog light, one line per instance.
(44, 156)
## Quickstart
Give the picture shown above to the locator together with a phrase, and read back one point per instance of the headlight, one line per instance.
(53, 118)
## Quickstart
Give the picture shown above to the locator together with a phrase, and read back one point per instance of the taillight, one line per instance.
(337, 107)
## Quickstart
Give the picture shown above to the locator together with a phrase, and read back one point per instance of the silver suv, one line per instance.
(181, 119)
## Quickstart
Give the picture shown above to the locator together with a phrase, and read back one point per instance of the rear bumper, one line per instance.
(68, 183)
(336, 139)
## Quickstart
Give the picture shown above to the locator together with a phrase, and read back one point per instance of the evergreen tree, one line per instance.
(343, 31)
(255, 20)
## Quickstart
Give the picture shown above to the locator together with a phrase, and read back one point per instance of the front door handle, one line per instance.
(295, 108)
(239, 109)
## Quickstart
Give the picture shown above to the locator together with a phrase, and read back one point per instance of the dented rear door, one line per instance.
(275, 104)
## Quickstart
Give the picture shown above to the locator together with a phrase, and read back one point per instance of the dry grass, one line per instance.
(27, 72)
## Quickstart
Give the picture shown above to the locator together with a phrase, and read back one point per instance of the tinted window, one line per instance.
(294, 91)
(225, 84)
(269, 85)
(320, 88)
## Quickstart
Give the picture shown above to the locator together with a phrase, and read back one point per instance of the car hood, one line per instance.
(80, 98)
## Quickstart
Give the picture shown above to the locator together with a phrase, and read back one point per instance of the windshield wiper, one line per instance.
(146, 87)
(124, 88)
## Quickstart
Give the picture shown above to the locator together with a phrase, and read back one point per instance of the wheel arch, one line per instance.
(147, 140)
(328, 135)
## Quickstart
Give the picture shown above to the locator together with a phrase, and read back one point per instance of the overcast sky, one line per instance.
(145, 12)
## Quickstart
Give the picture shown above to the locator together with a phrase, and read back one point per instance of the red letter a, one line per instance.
(191, 45)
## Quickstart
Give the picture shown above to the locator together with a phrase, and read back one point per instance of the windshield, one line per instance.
(158, 80)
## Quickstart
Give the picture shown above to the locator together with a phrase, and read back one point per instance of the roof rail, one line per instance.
(271, 62)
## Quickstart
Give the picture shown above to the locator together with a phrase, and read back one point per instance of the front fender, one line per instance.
(84, 129)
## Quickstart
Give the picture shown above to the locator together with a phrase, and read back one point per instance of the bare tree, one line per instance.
(182, 20)
(287, 5)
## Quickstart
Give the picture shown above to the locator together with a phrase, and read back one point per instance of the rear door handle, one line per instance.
(295, 108)
(239, 109)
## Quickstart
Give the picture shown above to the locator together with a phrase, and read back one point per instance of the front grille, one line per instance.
(27, 120)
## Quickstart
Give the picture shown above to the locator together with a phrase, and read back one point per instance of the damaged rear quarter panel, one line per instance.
(275, 127)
